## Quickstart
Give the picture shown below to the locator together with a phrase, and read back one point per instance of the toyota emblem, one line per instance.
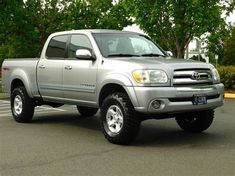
(195, 76)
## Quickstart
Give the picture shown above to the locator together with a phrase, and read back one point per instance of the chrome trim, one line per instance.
(194, 76)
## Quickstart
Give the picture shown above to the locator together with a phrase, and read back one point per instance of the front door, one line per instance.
(79, 80)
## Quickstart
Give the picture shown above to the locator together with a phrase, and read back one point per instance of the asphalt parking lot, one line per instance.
(60, 142)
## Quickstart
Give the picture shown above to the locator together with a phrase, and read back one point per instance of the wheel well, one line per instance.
(16, 83)
(108, 90)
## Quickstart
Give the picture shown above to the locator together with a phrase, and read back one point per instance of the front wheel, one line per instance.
(196, 121)
(22, 106)
(119, 121)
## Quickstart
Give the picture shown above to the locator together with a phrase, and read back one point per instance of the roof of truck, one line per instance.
(95, 31)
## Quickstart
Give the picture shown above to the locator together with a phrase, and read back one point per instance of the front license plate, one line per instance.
(199, 99)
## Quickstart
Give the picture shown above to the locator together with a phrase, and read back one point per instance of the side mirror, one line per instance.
(169, 53)
(84, 54)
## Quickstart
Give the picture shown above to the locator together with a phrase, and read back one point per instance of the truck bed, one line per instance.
(20, 68)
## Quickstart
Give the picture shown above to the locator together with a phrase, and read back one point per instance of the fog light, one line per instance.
(156, 104)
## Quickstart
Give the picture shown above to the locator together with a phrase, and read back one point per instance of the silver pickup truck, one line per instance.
(124, 74)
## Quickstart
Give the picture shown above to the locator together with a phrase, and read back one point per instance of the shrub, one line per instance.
(227, 76)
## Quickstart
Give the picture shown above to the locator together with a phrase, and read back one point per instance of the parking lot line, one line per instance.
(6, 111)
(57, 109)
(4, 101)
(4, 107)
(5, 115)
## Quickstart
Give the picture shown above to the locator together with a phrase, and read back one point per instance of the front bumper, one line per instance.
(177, 99)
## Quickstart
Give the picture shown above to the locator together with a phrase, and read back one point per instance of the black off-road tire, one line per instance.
(131, 122)
(196, 122)
(87, 111)
(28, 106)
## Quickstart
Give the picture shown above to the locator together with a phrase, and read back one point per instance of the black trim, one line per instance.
(191, 69)
(182, 99)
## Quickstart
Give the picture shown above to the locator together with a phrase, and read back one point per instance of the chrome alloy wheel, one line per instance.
(114, 119)
(18, 105)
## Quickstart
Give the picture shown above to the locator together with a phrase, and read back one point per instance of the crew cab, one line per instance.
(124, 74)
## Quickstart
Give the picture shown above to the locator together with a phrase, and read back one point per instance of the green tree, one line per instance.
(173, 23)
(229, 50)
(87, 14)
(215, 42)
(45, 16)
(8, 18)
(25, 26)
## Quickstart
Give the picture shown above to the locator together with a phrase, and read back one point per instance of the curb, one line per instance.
(229, 95)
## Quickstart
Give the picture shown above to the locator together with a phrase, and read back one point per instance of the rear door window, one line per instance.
(57, 47)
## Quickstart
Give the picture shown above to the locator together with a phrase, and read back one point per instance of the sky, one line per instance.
(231, 18)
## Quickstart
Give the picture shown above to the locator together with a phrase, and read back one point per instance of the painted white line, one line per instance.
(48, 110)
(5, 115)
(4, 101)
(7, 104)
(43, 112)
(56, 109)
(4, 106)
(4, 111)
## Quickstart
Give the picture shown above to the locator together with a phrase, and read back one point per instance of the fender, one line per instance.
(119, 79)
(21, 75)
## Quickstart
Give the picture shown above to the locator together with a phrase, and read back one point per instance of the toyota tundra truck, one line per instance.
(124, 74)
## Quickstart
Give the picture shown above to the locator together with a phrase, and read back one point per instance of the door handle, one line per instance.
(42, 66)
(68, 67)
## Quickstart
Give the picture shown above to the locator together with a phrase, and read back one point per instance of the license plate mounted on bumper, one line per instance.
(199, 100)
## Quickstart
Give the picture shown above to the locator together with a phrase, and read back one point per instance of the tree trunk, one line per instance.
(180, 50)
(180, 53)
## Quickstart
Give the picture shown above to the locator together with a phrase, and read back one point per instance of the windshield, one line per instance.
(126, 45)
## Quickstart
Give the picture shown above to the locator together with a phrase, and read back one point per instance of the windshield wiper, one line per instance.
(152, 55)
(123, 55)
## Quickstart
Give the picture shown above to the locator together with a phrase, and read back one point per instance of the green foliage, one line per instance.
(26, 25)
(227, 76)
(97, 14)
(215, 42)
(173, 23)
(229, 50)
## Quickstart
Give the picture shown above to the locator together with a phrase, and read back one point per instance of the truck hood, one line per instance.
(162, 62)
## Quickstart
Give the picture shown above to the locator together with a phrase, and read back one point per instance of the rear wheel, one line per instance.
(22, 106)
(196, 121)
(87, 111)
(119, 121)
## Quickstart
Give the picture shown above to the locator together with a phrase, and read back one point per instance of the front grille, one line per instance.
(190, 77)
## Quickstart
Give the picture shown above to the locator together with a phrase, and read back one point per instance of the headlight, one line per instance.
(150, 76)
(215, 75)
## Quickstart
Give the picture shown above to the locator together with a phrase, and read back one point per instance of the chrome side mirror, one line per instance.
(84, 54)
(169, 53)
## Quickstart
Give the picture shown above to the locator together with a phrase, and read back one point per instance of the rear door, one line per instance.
(79, 78)
(50, 68)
